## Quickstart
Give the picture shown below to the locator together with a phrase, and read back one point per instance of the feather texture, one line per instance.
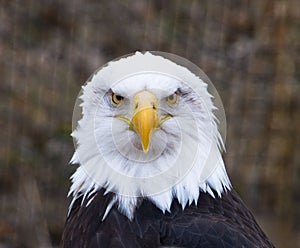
(213, 222)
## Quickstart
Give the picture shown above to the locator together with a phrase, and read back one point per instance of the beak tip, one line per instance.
(145, 149)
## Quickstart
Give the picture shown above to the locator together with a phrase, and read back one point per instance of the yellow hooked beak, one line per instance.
(145, 117)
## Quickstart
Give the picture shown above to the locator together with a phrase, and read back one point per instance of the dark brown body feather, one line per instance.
(219, 222)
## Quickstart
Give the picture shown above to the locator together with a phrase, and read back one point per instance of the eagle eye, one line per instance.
(116, 100)
(172, 100)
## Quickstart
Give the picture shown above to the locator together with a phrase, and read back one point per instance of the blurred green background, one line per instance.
(48, 49)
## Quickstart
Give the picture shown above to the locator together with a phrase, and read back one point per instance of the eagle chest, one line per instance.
(212, 223)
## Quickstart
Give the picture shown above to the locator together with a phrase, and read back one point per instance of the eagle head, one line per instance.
(147, 129)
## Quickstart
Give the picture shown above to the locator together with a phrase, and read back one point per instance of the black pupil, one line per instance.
(118, 98)
(171, 98)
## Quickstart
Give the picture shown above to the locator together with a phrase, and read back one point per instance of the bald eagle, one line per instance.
(151, 173)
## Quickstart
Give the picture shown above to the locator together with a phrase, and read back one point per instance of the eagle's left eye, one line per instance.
(172, 100)
(116, 100)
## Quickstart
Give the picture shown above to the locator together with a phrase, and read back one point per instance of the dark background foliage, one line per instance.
(48, 49)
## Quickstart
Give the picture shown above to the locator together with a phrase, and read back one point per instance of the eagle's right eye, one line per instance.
(116, 100)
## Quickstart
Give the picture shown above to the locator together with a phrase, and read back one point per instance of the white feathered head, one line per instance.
(148, 130)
